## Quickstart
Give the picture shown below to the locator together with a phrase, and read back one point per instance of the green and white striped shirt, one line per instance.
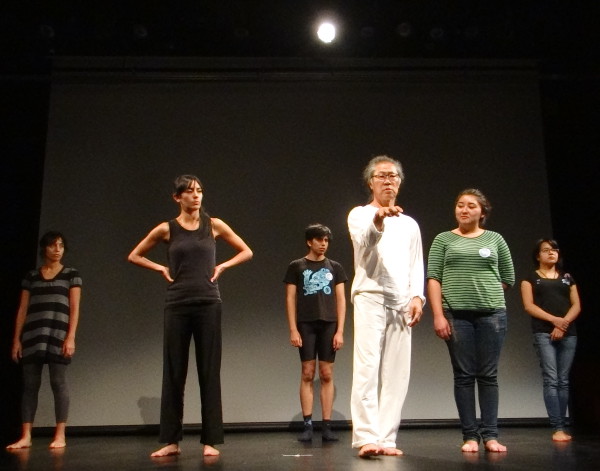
(471, 270)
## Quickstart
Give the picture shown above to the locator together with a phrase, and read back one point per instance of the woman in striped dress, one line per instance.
(45, 333)
(469, 268)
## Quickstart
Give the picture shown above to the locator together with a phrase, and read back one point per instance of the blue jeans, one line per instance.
(474, 348)
(556, 358)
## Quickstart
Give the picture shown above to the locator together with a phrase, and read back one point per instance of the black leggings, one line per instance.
(32, 379)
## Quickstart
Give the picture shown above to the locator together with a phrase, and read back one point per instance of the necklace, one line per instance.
(545, 275)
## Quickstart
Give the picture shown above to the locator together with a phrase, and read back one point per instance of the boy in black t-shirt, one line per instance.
(316, 309)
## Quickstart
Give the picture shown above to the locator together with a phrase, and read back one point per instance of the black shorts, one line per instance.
(317, 340)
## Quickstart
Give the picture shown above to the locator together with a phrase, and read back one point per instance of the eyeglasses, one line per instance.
(548, 250)
(381, 177)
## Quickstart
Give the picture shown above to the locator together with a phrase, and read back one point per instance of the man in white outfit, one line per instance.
(387, 293)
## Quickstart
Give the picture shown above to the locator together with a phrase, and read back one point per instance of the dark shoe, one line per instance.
(307, 434)
(328, 435)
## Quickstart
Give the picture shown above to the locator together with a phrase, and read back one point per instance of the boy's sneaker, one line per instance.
(328, 435)
(307, 434)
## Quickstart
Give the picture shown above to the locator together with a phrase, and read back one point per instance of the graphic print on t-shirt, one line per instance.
(316, 281)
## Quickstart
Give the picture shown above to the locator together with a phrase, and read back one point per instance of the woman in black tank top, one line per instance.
(551, 298)
(192, 308)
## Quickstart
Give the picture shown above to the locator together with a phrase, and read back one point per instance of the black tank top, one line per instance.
(191, 259)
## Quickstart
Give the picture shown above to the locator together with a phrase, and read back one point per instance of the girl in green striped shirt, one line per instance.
(469, 268)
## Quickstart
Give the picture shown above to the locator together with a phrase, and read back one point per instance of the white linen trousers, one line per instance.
(381, 372)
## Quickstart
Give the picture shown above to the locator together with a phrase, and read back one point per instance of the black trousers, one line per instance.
(203, 322)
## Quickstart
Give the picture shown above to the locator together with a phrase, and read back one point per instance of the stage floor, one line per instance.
(425, 449)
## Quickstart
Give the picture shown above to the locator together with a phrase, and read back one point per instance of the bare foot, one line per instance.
(561, 436)
(368, 450)
(58, 443)
(494, 446)
(473, 458)
(391, 451)
(24, 442)
(470, 446)
(211, 451)
(169, 450)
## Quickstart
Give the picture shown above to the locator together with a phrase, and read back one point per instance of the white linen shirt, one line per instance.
(388, 265)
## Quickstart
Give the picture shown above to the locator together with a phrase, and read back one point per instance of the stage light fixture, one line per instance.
(241, 32)
(404, 30)
(437, 33)
(140, 32)
(47, 31)
(326, 32)
(471, 32)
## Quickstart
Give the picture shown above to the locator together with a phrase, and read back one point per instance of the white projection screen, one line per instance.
(275, 153)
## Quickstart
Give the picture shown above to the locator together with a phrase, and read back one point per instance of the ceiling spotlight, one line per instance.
(47, 31)
(437, 33)
(241, 32)
(326, 32)
(471, 32)
(404, 29)
(140, 32)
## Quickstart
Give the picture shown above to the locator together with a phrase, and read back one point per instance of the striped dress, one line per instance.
(471, 270)
(47, 320)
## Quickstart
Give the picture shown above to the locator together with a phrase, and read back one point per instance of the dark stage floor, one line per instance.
(425, 449)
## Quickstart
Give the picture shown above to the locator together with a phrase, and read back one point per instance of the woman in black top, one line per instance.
(550, 297)
(193, 307)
